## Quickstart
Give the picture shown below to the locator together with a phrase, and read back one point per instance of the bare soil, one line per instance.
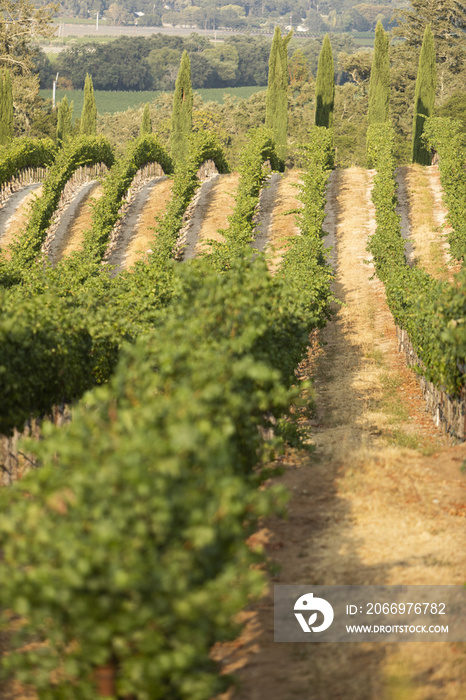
(424, 221)
(440, 213)
(18, 220)
(219, 204)
(381, 498)
(81, 221)
(144, 235)
(283, 225)
(11, 204)
(429, 249)
(264, 214)
(195, 213)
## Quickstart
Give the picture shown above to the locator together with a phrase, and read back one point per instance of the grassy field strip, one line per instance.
(219, 205)
(425, 233)
(111, 101)
(19, 220)
(283, 226)
(74, 238)
(144, 234)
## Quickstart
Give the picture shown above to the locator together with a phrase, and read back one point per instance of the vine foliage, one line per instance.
(153, 485)
(25, 153)
(79, 152)
(431, 312)
(444, 135)
(145, 149)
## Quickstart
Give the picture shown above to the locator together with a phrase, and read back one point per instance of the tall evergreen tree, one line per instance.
(325, 85)
(424, 97)
(6, 108)
(182, 115)
(379, 85)
(89, 113)
(64, 120)
(276, 101)
(146, 124)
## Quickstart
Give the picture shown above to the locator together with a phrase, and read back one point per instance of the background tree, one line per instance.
(89, 113)
(21, 22)
(276, 101)
(358, 66)
(298, 69)
(353, 20)
(146, 124)
(6, 108)
(224, 60)
(424, 97)
(325, 85)
(182, 114)
(119, 15)
(379, 85)
(64, 120)
(447, 20)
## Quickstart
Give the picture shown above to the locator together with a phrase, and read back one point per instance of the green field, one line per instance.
(119, 101)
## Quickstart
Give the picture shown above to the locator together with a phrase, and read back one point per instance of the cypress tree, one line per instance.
(182, 115)
(6, 108)
(424, 97)
(276, 101)
(325, 85)
(146, 124)
(89, 113)
(64, 119)
(379, 85)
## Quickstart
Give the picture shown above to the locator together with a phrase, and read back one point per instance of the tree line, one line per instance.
(313, 17)
(352, 71)
(136, 63)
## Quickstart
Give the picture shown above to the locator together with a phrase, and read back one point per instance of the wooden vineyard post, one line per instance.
(105, 677)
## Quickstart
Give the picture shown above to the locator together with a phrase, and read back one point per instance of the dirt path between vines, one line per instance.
(424, 221)
(79, 220)
(380, 499)
(283, 224)
(441, 219)
(66, 235)
(201, 203)
(154, 206)
(265, 210)
(421, 197)
(217, 207)
(14, 216)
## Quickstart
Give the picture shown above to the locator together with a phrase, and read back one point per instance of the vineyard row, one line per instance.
(430, 311)
(153, 484)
